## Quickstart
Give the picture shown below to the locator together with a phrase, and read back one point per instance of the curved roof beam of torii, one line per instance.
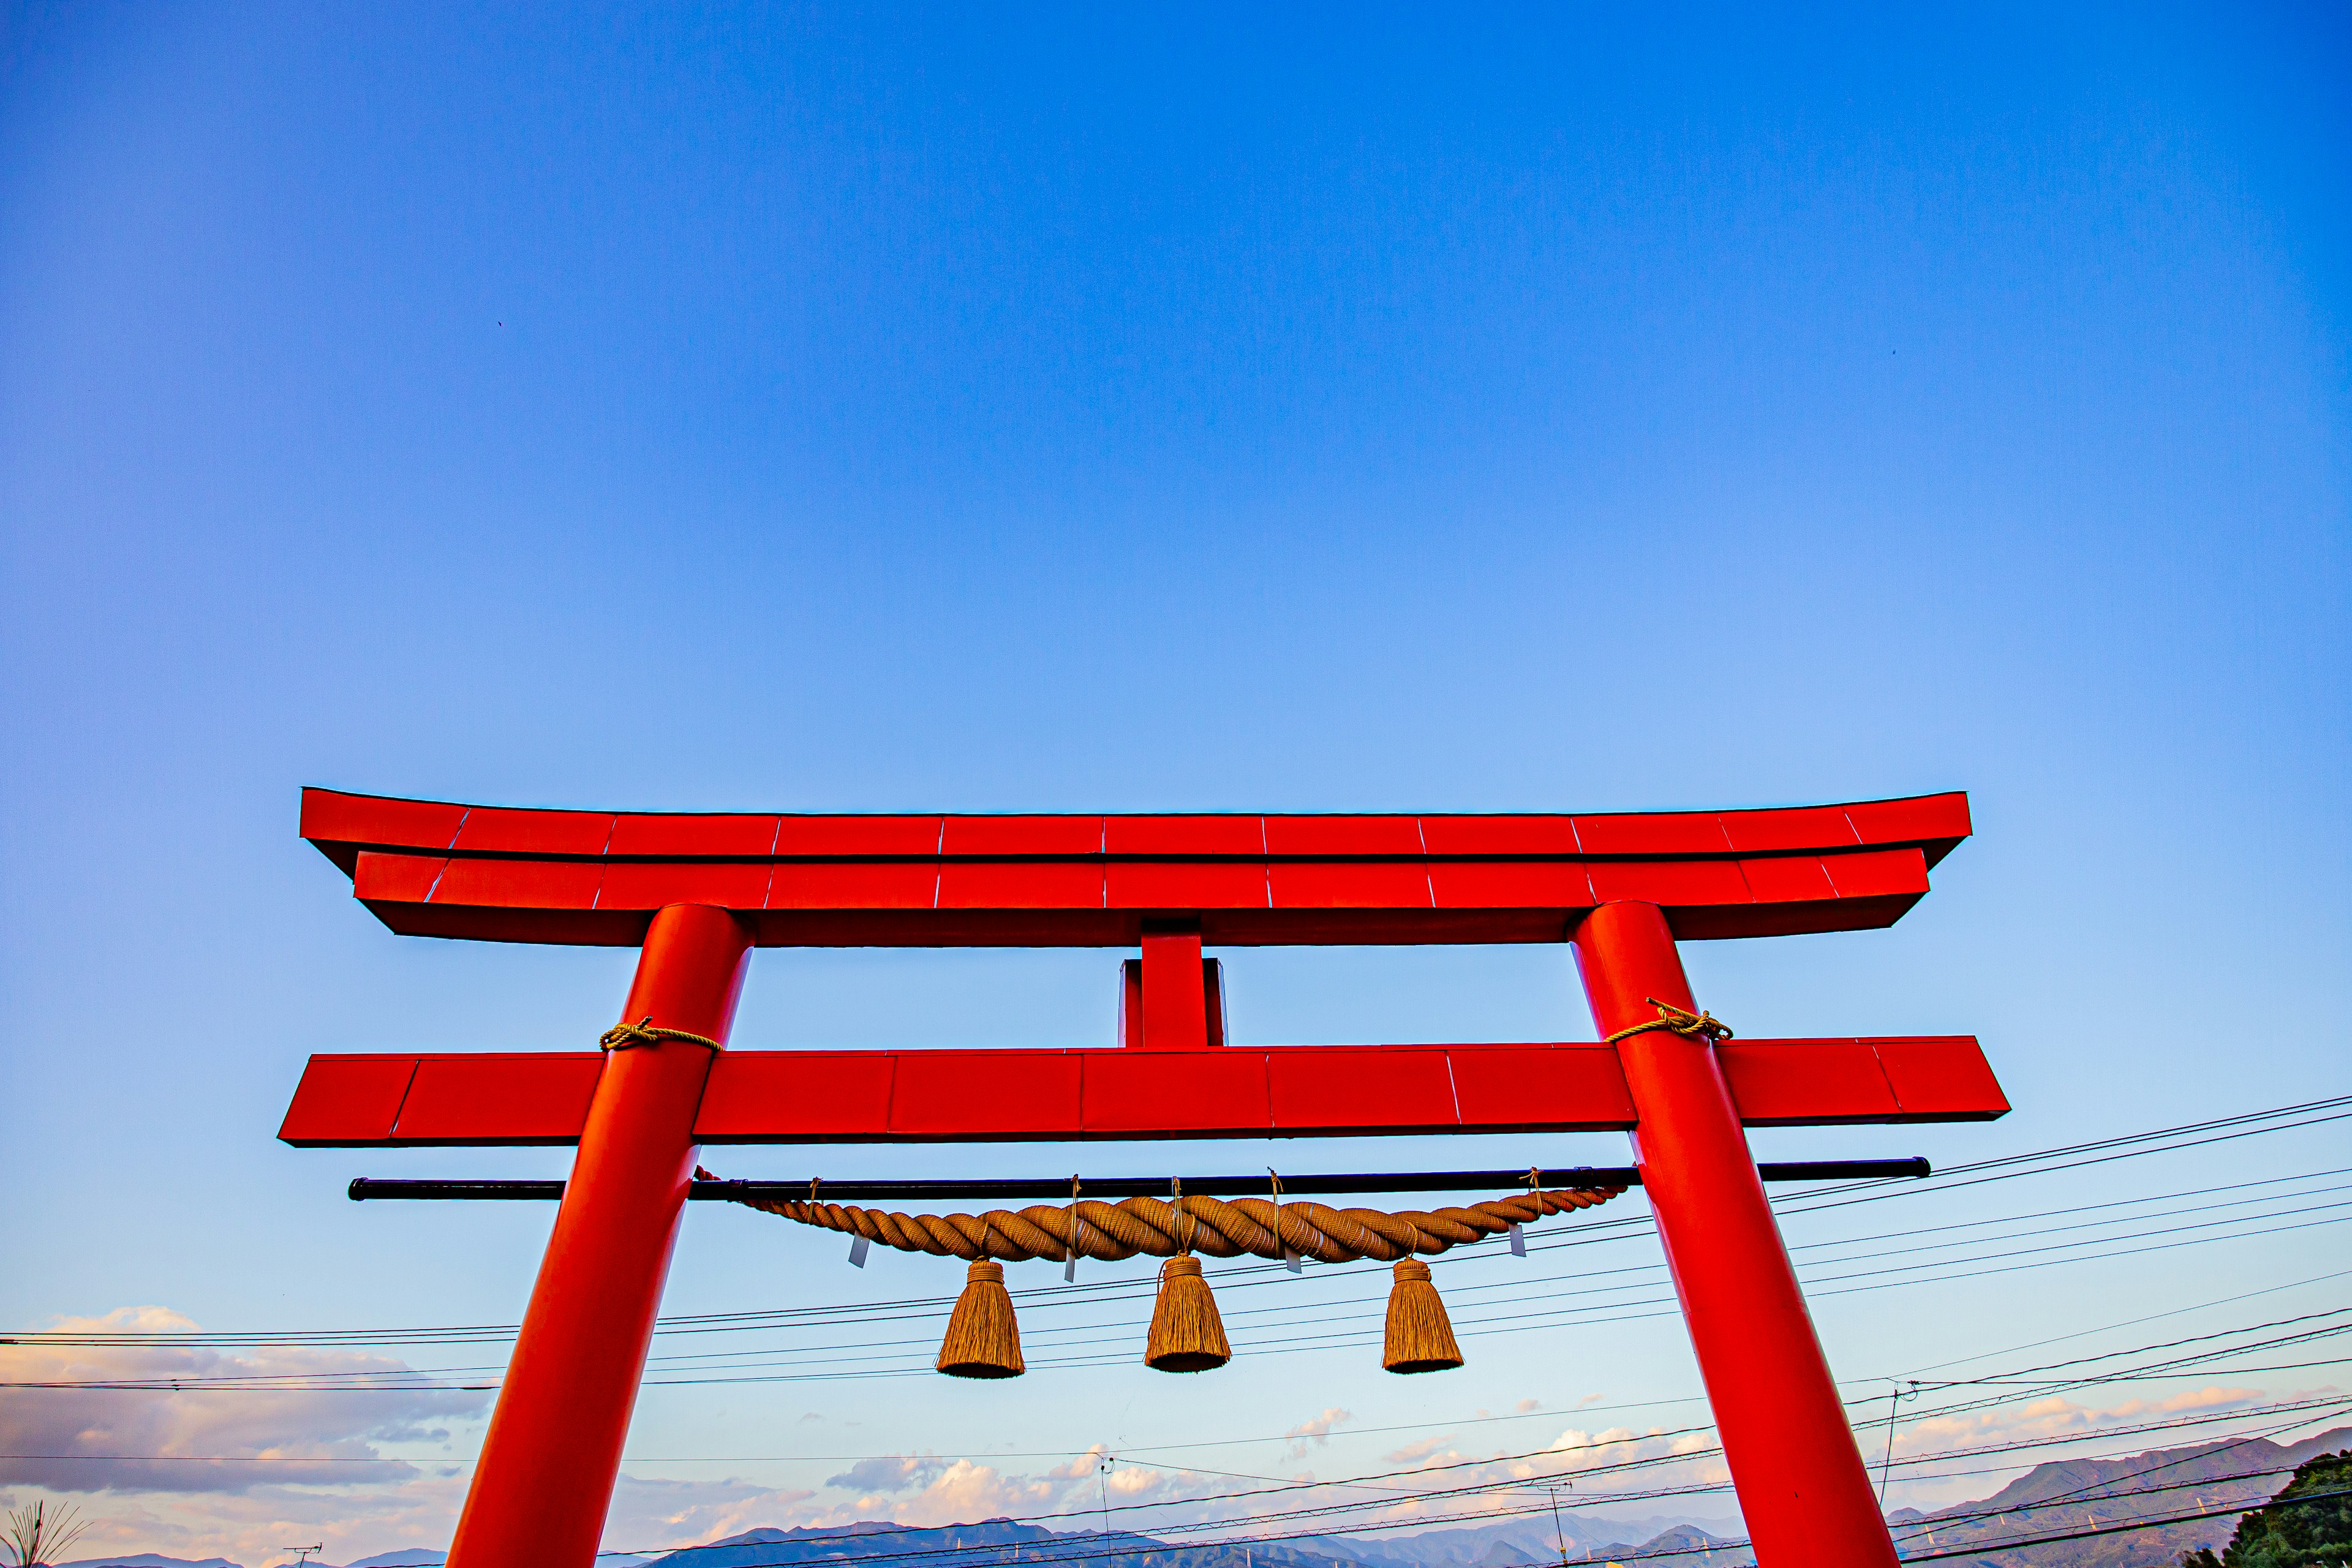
(508, 874)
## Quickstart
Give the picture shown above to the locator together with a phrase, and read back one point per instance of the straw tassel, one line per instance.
(1419, 1338)
(983, 1339)
(1186, 1333)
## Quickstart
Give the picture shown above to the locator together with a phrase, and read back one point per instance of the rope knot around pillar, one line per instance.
(644, 1032)
(1676, 1021)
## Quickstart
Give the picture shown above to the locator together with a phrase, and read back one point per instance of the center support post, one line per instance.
(549, 1462)
(1803, 1488)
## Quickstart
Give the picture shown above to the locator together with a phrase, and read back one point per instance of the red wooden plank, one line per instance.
(974, 1094)
(1019, 885)
(347, 1099)
(1022, 835)
(1174, 1094)
(857, 836)
(1652, 833)
(1511, 885)
(520, 884)
(1185, 884)
(396, 878)
(815, 1096)
(1936, 823)
(1877, 873)
(823, 1096)
(1514, 836)
(1347, 885)
(1187, 835)
(1343, 835)
(850, 885)
(1789, 1083)
(1333, 1090)
(340, 823)
(1787, 828)
(537, 1098)
(1941, 1080)
(489, 830)
(1540, 1086)
(653, 833)
(1668, 882)
(649, 885)
(1916, 819)
(1788, 880)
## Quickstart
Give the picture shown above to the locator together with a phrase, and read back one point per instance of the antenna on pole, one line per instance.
(302, 1553)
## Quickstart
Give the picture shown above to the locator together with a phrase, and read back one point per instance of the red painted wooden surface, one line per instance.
(1292, 1092)
(502, 874)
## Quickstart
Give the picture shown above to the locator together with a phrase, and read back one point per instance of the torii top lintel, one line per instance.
(595, 878)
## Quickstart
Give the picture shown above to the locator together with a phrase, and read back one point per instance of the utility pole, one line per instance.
(1903, 1390)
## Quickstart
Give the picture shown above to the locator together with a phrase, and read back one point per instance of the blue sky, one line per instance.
(826, 408)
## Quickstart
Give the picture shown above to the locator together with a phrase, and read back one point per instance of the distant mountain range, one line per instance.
(2086, 1494)
(2050, 1500)
(1000, 1544)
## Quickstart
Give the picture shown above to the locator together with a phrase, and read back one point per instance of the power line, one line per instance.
(2034, 1163)
(1558, 1309)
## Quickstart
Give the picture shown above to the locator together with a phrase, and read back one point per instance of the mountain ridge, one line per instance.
(2053, 1498)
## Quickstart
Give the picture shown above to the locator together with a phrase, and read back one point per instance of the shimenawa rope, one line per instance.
(1192, 1223)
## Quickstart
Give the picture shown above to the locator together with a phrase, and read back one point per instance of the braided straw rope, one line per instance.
(1673, 1020)
(1191, 1224)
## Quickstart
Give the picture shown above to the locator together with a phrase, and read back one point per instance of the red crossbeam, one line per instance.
(1293, 1091)
(432, 869)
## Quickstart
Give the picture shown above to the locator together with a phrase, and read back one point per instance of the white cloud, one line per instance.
(106, 1435)
(895, 1473)
(1317, 1432)
(1421, 1448)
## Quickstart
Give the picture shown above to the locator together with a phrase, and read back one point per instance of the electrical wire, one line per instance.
(1558, 1307)
(2034, 1163)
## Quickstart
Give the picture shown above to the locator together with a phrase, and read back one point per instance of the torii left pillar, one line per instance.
(545, 1478)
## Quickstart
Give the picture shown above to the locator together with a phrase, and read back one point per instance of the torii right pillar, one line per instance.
(1803, 1488)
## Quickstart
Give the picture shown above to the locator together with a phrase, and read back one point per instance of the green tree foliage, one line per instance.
(2283, 1533)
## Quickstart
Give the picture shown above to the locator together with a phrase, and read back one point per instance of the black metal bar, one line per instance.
(1058, 1187)
(365, 1187)
(1846, 1170)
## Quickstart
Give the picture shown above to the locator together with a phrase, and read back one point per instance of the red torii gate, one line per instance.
(696, 892)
